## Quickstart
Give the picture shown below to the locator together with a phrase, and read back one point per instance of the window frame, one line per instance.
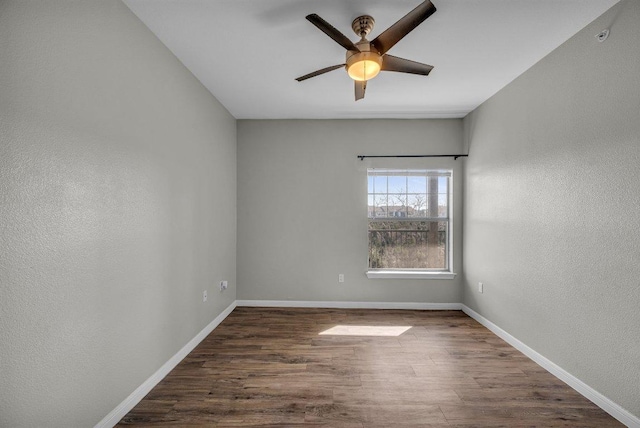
(416, 273)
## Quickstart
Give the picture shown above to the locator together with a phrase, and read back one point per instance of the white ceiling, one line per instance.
(248, 53)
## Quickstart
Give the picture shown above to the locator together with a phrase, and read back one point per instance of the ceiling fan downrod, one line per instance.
(363, 25)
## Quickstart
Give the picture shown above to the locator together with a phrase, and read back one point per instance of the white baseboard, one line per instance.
(348, 305)
(130, 402)
(588, 392)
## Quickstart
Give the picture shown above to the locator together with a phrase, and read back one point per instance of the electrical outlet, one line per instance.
(341, 277)
(223, 285)
(481, 287)
(204, 296)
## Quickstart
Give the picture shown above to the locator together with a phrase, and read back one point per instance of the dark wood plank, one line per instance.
(272, 367)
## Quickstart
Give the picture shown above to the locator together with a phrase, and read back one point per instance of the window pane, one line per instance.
(408, 245)
(370, 184)
(443, 210)
(380, 184)
(397, 200)
(443, 184)
(417, 184)
(397, 184)
(417, 205)
(380, 202)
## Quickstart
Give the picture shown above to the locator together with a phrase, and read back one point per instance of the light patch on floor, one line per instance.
(366, 330)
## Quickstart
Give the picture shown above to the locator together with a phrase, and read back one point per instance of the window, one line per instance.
(409, 217)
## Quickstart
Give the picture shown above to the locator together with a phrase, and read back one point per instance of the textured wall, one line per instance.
(117, 208)
(551, 207)
(302, 206)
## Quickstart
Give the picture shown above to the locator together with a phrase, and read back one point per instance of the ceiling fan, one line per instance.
(365, 59)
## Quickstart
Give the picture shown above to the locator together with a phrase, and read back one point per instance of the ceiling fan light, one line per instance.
(364, 66)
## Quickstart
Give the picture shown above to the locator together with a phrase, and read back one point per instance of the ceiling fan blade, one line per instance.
(319, 72)
(360, 86)
(393, 63)
(332, 32)
(404, 26)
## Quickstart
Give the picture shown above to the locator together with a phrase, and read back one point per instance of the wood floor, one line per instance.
(272, 367)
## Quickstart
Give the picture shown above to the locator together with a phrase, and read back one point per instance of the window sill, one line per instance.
(408, 274)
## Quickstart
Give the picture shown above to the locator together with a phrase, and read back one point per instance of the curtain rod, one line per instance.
(361, 157)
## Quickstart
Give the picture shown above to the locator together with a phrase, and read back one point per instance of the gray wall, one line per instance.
(117, 208)
(302, 207)
(552, 193)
